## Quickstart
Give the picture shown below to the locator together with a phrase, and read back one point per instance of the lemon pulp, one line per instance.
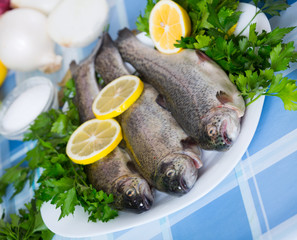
(117, 96)
(93, 140)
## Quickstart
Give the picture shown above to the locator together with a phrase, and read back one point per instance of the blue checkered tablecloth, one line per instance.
(258, 199)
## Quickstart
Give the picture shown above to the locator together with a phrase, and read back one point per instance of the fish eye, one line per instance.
(170, 173)
(130, 192)
(212, 131)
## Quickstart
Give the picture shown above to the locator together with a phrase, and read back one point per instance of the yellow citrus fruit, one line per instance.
(93, 140)
(117, 96)
(168, 22)
(232, 29)
(3, 72)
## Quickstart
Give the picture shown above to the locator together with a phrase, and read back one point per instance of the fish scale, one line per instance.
(196, 90)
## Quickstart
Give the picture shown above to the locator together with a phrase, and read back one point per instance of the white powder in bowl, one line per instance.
(26, 108)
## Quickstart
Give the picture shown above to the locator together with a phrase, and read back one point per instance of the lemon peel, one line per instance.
(3, 73)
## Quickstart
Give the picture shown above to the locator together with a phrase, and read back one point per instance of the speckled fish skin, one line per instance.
(86, 84)
(160, 148)
(196, 90)
(159, 145)
(109, 63)
(112, 173)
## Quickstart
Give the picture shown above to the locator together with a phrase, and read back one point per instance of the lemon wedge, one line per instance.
(168, 22)
(3, 73)
(117, 96)
(93, 140)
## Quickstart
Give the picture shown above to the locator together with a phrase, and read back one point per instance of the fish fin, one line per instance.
(131, 166)
(107, 42)
(191, 149)
(73, 67)
(108, 57)
(224, 97)
(188, 142)
(161, 101)
(123, 144)
(124, 34)
(202, 56)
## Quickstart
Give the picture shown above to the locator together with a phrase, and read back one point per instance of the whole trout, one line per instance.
(112, 173)
(196, 91)
(162, 151)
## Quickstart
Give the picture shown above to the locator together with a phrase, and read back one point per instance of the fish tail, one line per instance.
(107, 43)
(127, 41)
(73, 67)
(124, 34)
(109, 63)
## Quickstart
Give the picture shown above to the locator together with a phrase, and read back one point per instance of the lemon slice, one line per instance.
(168, 22)
(3, 73)
(117, 96)
(93, 140)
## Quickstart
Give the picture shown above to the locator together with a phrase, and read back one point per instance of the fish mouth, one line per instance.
(182, 177)
(145, 199)
(146, 204)
(184, 186)
(143, 202)
(139, 204)
(227, 141)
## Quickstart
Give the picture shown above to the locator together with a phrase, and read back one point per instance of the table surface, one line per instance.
(258, 198)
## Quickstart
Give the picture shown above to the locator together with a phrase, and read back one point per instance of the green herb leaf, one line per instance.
(67, 201)
(26, 225)
(60, 125)
(273, 7)
(274, 37)
(281, 56)
(142, 23)
(285, 89)
(96, 203)
(222, 17)
(253, 34)
(202, 41)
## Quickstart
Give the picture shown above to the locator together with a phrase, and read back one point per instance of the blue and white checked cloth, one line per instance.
(258, 199)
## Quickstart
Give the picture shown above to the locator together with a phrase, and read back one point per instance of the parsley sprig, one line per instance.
(253, 63)
(62, 182)
(26, 225)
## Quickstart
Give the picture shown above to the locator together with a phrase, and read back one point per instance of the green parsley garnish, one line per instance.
(27, 224)
(62, 182)
(252, 62)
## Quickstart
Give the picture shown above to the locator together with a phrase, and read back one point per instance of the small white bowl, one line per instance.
(24, 103)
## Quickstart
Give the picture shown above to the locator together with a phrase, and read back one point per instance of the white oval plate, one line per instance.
(217, 165)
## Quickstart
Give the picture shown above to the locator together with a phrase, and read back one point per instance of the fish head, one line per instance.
(176, 174)
(135, 193)
(221, 127)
